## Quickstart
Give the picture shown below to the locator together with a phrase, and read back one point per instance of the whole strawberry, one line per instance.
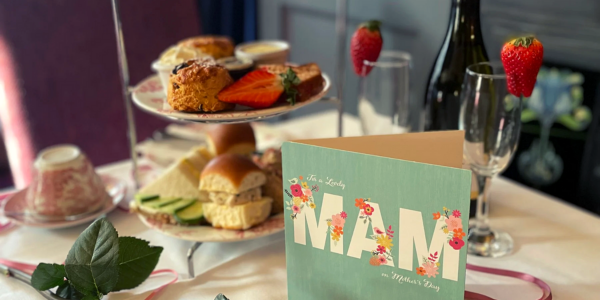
(522, 59)
(365, 45)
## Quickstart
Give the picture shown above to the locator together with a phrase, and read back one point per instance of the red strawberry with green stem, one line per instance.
(366, 45)
(522, 59)
(260, 89)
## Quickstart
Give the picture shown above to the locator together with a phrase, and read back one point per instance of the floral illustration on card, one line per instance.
(366, 210)
(453, 228)
(383, 253)
(301, 196)
(335, 226)
(429, 266)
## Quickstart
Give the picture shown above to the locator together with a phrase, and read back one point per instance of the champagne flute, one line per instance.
(491, 119)
(383, 100)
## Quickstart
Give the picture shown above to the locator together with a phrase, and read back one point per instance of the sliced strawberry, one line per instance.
(258, 89)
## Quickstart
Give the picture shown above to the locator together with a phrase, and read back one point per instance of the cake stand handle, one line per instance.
(190, 259)
(124, 72)
(341, 16)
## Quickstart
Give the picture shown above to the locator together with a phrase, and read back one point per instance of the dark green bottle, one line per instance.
(463, 46)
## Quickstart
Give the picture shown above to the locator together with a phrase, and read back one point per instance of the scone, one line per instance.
(231, 138)
(215, 46)
(194, 85)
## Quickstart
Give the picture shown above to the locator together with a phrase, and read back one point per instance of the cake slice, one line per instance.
(311, 81)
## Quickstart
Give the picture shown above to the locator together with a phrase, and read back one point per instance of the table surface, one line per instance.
(554, 241)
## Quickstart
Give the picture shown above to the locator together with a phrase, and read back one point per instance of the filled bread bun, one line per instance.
(237, 217)
(194, 85)
(231, 138)
(215, 46)
(231, 179)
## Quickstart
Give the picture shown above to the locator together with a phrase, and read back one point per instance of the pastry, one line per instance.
(216, 46)
(270, 163)
(231, 187)
(194, 85)
(231, 138)
(311, 81)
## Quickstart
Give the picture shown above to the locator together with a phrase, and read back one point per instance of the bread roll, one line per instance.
(194, 85)
(231, 173)
(231, 138)
(237, 217)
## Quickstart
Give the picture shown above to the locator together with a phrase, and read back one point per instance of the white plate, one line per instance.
(149, 96)
(209, 234)
(14, 208)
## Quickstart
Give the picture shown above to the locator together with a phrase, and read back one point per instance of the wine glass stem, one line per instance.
(481, 226)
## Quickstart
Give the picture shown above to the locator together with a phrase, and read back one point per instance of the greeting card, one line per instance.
(376, 217)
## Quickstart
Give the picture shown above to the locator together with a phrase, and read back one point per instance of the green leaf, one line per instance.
(92, 264)
(137, 259)
(90, 297)
(67, 291)
(47, 276)
(221, 297)
(290, 80)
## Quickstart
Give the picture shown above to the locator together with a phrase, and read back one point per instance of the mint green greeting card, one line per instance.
(376, 217)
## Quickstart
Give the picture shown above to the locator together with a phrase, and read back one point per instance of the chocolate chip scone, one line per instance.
(194, 85)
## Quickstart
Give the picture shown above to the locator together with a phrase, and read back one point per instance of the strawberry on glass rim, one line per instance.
(260, 89)
(366, 45)
(522, 60)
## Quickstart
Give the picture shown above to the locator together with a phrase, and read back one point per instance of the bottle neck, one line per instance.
(465, 26)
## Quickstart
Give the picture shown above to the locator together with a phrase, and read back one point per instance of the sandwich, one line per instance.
(311, 81)
(181, 179)
(270, 163)
(230, 187)
(173, 197)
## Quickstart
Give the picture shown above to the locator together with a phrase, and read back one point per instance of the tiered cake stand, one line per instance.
(132, 94)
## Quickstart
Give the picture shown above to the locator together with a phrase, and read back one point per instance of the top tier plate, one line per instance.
(149, 96)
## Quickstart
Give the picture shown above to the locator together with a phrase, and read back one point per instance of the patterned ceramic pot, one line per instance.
(65, 184)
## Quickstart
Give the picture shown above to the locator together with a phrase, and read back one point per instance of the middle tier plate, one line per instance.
(150, 97)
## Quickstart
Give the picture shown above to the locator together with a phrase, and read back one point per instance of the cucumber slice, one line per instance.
(142, 198)
(161, 202)
(176, 206)
(191, 215)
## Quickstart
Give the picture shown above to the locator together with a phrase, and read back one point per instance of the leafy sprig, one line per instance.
(290, 80)
(99, 262)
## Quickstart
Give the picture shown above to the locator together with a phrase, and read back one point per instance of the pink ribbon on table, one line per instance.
(29, 268)
(546, 291)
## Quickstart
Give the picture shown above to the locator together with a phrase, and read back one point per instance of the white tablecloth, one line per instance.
(554, 241)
